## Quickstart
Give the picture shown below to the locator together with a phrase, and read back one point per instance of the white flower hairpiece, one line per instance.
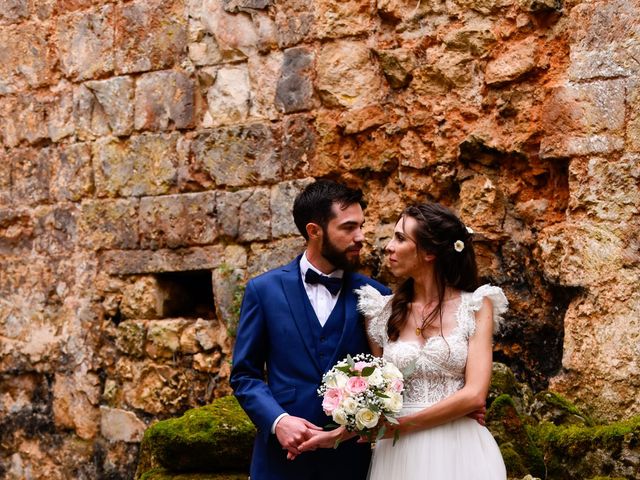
(469, 230)
(458, 246)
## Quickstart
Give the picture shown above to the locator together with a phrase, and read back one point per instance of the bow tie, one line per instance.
(333, 284)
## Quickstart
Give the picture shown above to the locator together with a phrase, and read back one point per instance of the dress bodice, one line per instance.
(436, 367)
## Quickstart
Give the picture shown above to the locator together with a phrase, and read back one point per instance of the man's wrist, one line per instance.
(275, 422)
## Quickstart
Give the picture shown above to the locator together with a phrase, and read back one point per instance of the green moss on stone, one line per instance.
(513, 435)
(553, 407)
(162, 474)
(216, 437)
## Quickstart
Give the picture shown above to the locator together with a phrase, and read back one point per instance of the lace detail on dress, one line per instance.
(377, 308)
(440, 362)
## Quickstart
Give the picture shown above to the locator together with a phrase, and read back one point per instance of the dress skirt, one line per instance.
(459, 450)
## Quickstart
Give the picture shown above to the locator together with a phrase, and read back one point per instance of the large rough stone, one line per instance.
(163, 337)
(119, 425)
(229, 204)
(75, 400)
(580, 253)
(164, 100)
(228, 289)
(264, 71)
(132, 334)
(475, 36)
(144, 165)
(295, 86)
(238, 156)
(104, 107)
(25, 59)
(109, 224)
(279, 253)
(218, 437)
(85, 42)
(336, 18)
(346, 75)
(143, 299)
(633, 122)
(299, 144)
(229, 97)
(238, 34)
(72, 177)
(294, 22)
(150, 35)
(606, 191)
(254, 217)
(519, 59)
(397, 65)
(13, 11)
(282, 197)
(55, 232)
(178, 220)
(235, 6)
(122, 262)
(607, 386)
(30, 173)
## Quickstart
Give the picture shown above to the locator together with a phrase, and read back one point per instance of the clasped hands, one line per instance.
(297, 435)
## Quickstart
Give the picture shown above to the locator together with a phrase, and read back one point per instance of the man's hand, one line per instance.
(321, 439)
(292, 431)
(478, 415)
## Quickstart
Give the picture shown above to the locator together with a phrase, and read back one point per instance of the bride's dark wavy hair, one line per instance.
(436, 232)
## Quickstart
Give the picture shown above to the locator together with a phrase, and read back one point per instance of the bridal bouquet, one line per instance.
(358, 391)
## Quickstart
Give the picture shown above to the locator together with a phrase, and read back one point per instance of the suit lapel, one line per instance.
(296, 294)
(351, 317)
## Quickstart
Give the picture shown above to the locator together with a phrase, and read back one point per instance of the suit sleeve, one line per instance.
(249, 357)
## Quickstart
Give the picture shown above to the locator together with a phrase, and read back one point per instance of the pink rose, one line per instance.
(397, 385)
(359, 366)
(356, 385)
(331, 400)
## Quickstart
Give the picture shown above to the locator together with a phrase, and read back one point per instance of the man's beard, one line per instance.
(338, 258)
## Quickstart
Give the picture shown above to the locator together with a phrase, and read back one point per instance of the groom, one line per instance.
(296, 322)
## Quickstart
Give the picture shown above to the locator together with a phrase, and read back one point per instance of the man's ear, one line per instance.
(314, 231)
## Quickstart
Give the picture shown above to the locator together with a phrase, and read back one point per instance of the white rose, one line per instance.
(376, 379)
(336, 380)
(340, 416)
(350, 405)
(366, 418)
(393, 403)
(390, 371)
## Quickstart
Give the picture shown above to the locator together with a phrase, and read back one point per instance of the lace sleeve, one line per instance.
(373, 305)
(498, 299)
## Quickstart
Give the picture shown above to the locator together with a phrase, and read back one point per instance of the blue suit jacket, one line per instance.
(274, 371)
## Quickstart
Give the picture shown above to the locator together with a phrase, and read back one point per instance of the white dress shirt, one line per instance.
(321, 300)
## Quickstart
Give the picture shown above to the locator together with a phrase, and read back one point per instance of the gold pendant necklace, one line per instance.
(418, 332)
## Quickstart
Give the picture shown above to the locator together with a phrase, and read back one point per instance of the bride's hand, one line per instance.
(321, 439)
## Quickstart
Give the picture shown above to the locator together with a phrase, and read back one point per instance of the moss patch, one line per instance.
(162, 474)
(213, 438)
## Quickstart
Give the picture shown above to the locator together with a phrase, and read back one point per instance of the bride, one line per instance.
(440, 322)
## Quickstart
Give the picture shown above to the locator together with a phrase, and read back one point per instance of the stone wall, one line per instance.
(150, 151)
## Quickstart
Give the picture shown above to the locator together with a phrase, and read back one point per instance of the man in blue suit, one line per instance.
(296, 322)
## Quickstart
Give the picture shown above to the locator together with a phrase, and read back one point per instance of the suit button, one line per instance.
(322, 339)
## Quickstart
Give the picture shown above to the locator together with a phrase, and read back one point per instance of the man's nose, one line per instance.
(359, 236)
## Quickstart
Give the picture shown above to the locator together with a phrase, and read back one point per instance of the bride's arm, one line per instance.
(373, 345)
(477, 379)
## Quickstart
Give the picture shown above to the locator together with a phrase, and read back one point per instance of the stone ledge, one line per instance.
(130, 262)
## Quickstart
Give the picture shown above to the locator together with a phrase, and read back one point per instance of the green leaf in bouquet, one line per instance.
(350, 361)
(392, 420)
(330, 426)
(380, 394)
(381, 431)
(346, 370)
(374, 408)
(366, 371)
(396, 437)
(335, 445)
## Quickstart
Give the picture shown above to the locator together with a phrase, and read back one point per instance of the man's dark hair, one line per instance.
(313, 204)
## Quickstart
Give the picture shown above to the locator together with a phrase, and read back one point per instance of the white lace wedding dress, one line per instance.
(461, 449)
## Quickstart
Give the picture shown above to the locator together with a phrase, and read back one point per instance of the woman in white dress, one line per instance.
(439, 324)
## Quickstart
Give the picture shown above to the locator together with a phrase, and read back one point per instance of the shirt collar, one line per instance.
(305, 265)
